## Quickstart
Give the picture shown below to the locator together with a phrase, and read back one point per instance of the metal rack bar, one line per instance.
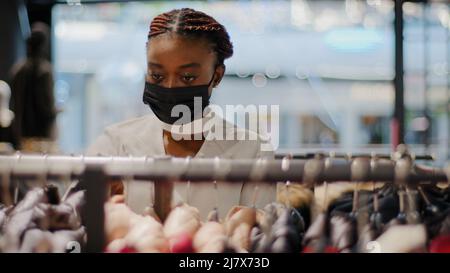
(157, 169)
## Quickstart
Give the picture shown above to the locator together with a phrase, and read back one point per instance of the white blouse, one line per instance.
(143, 136)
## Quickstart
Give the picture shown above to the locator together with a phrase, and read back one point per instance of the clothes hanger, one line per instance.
(376, 219)
(403, 166)
(293, 212)
(355, 203)
(277, 231)
(372, 228)
(430, 209)
(401, 216)
(188, 185)
(285, 165)
(343, 226)
(413, 216)
(255, 197)
(214, 214)
(67, 180)
(316, 237)
(42, 178)
(16, 185)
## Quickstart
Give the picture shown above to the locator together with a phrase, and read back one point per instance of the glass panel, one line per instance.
(327, 64)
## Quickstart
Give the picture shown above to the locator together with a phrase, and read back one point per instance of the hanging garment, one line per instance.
(430, 211)
(3, 212)
(144, 137)
(403, 239)
(145, 236)
(388, 202)
(42, 241)
(210, 238)
(438, 224)
(36, 225)
(298, 197)
(316, 237)
(180, 228)
(440, 244)
(280, 230)
(343, 232)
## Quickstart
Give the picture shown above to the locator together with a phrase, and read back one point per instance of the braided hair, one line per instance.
(194, 24)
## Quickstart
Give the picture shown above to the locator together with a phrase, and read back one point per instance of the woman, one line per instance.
(186, 50)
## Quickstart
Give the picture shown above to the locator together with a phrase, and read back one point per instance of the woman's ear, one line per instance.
(218, 75)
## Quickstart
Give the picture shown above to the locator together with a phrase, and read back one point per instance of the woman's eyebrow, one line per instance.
(150, 64)
(189, 65)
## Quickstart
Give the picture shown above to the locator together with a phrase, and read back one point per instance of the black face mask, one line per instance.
(162, 100)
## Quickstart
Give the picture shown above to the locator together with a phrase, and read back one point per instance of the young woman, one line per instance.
(186, 50)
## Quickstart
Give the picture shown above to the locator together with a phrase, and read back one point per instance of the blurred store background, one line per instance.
(330, 65)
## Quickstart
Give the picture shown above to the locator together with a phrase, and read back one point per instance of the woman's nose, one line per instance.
(171, 82)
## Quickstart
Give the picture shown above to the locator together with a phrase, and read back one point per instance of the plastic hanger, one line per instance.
(401, 216)
(188, 185)
(376, 219)
(413, 216)
(430, 209)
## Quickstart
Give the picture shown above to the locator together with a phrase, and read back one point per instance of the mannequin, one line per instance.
(6, 117)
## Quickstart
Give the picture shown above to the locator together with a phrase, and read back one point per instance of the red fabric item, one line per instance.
(128, 250)
(125, 249)
(328, 249)
(307, 249)
(440, 244)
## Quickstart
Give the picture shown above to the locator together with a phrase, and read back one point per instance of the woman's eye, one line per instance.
(188, 78)
(156, 77)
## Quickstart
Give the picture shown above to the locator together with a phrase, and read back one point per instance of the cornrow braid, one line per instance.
(192, 23)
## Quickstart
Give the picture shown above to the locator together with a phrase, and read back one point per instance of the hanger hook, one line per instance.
(401, 195)
(325, 195)
(375, 197)
(44, 177)
(355, 204)
(188, 185)
(285, 162)
(67, 177)
(285, 165)
(216, 190)
(288, 194)
(16, 186)
(255, 196)
(424, 196)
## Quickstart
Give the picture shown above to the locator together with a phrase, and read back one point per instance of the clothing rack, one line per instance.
(95, 172)
(400, 152)
(317, 170)
(349, 156)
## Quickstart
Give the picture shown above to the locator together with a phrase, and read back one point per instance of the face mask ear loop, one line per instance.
(212, 79)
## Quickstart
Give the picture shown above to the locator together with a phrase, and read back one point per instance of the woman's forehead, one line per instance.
(176, 51)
